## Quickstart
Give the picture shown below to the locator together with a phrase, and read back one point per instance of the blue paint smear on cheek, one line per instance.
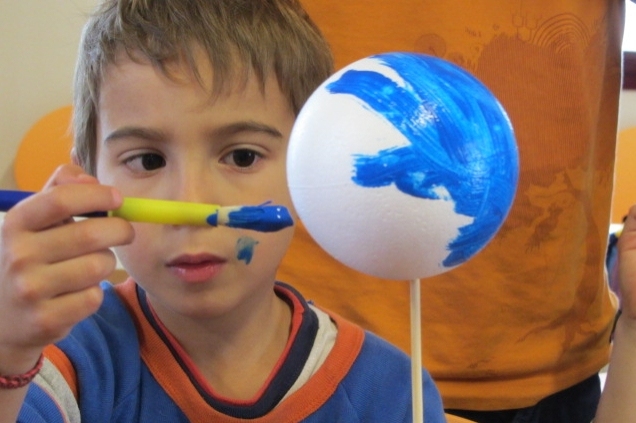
(245, 248)
(460, 139)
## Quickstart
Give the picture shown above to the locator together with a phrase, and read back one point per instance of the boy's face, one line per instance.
(158, 138)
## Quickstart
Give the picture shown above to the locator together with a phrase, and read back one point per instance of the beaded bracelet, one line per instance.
(18, 381)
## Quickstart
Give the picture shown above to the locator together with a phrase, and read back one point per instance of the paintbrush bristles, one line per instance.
(263, 218)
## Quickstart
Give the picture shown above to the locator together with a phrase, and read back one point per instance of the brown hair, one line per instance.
(238, 36)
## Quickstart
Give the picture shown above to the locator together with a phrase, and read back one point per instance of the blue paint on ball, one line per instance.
(461, 142)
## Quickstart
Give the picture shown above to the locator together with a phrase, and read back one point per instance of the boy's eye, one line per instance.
(146, 162)
(152, 161)
(242, 157)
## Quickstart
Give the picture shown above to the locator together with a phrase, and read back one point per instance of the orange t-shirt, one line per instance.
(531, 314)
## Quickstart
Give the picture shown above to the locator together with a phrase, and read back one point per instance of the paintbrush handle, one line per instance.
(136, 209)
(165, 212)
(9, 198)
(263, 218)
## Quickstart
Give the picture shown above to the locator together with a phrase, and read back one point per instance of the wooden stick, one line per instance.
(416, 352)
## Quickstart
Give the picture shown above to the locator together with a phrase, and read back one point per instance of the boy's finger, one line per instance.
(44, 283)
(77, 305)
(58, 204)
(56, 317)
(69, 174)
(88, 236)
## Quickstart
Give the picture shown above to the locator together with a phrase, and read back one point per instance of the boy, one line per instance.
(191, 101)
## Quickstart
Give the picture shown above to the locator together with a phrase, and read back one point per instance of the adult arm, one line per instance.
(619, 394)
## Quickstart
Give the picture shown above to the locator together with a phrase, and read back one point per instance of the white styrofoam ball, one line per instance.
(402, 166)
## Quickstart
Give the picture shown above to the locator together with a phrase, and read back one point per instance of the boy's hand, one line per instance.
(627, 266)
(50, 266)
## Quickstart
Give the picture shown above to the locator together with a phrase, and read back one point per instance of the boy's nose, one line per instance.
(194, 184)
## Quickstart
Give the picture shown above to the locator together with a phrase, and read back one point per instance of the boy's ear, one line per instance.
(74, 158)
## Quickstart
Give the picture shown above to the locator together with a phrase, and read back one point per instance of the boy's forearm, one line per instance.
(620, 386)
(15, 363)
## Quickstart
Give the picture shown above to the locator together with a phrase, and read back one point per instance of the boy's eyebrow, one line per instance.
(246, 126)
(135, 132)
(228, 130)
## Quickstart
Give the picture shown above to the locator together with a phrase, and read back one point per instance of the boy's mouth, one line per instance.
(196, 268)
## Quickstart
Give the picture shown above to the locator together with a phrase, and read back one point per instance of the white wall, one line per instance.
(627, 116)
(38, 47)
